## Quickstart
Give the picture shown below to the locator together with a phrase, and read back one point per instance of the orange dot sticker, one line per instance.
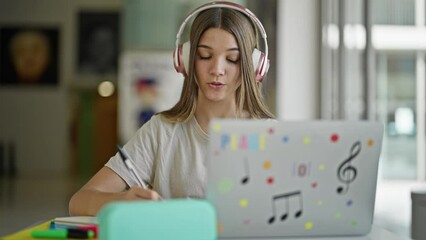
(219, 227)
(370, 142)
(267, 164)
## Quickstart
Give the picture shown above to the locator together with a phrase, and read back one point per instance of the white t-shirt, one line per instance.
(171, 157)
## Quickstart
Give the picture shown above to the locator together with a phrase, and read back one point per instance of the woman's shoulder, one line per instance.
(159, 123)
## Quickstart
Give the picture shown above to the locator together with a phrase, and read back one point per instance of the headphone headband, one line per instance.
(230, 5)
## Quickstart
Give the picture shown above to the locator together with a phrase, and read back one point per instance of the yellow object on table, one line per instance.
(26, 233)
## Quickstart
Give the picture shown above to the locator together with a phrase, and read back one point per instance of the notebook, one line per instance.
(270, 178)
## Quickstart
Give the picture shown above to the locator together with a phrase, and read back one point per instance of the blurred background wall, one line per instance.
(70, 126)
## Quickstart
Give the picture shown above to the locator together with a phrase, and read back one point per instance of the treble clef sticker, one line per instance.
(346, 173)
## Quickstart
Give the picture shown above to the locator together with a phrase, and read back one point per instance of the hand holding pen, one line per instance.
(128, 162)
(130, 166)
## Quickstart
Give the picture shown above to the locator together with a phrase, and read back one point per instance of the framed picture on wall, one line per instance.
(29, 55)
(98, 43)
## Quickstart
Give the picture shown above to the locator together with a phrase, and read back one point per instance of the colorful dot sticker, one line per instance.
(271, 131)
(225, 185)
(338, 215)
(309, 225)
(306, 140)
(314, 184)
(321, 167)
(370, 142)
(267, 164)
(217, 128)
(285, 139)
(349, 203)
(243, 202)
(354, 223)
(270, 180)
(247, 222)
(219, 226)
(320, 203)
(334, 138)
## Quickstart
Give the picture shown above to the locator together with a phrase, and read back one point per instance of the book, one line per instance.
(76, 220)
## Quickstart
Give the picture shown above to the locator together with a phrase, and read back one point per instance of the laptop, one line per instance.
(270, 178)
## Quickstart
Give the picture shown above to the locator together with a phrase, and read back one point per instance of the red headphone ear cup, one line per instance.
(177, 59)
(181, 58)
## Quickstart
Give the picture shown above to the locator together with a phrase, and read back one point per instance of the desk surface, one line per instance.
(377, 233)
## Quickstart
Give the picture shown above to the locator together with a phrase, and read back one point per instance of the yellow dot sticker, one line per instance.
(217, 128)
(309, 225)
(306, 140)
(370, 142)
(243, 202)
(321, 167)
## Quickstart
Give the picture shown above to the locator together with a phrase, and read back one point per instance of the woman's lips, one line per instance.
(216, 85)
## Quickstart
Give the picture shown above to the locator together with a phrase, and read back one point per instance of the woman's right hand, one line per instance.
(138, 193)
(105, 187)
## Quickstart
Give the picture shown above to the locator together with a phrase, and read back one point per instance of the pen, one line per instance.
(130, 166)
(63, 233)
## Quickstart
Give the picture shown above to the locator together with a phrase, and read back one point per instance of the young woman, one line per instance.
(170, 150)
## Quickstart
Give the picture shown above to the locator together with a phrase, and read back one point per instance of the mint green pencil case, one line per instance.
(185, 219)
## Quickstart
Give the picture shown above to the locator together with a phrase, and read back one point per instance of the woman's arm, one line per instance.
(105, 187)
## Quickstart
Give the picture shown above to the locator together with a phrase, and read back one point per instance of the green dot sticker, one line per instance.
(225, 185)
(338, 215)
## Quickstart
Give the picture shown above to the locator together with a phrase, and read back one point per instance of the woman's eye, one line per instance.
(233, 60)
(204, 57)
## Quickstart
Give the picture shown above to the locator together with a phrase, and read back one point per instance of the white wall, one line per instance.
(298, 68)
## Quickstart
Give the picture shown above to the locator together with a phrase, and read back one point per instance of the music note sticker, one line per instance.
(346, 173)
(286, 197)
(246, 177)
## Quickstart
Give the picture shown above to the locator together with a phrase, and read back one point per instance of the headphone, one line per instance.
(181, 52)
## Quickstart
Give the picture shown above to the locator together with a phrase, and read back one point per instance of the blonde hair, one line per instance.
(249, 96)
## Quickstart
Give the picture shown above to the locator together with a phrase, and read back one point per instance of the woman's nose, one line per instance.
(218, 67)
